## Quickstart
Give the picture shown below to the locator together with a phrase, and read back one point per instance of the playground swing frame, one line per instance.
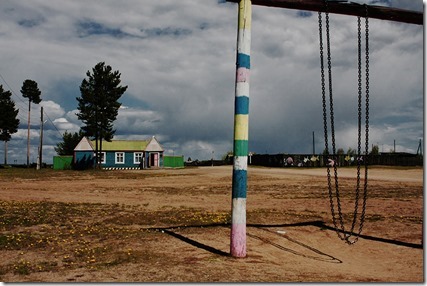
(241, 114)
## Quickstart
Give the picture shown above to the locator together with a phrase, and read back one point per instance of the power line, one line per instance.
(53, 124)
(21, 118)
(11, 89)
(24, 107)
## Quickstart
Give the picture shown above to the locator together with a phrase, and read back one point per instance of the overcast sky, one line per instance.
(178, 60)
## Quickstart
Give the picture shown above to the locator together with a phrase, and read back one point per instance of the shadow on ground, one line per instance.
(317, 254)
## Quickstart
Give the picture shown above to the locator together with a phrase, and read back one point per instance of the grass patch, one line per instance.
(81, 235)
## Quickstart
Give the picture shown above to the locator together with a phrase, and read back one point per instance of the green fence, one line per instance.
(173, 161)
(62, 162)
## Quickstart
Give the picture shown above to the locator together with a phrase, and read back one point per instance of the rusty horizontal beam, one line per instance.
(346, 8)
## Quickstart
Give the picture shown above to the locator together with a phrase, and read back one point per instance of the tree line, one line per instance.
(98, 106)
(9, 122)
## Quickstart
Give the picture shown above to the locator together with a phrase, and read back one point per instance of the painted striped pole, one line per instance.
(241, 128)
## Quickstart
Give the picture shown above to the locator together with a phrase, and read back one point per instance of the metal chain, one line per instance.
(331, 196)
(343, 235)
(325, 121)
(366, 159)
(332, 120)
(365, 187)
(359, 125)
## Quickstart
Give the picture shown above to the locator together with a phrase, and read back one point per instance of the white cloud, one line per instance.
(55, 110)
(64, 124)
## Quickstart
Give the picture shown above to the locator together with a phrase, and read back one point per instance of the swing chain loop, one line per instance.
(342, 234)
(331, 106)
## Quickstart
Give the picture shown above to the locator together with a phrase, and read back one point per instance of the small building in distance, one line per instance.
(120, 154)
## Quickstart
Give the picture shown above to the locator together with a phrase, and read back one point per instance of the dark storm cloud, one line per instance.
(178, 59)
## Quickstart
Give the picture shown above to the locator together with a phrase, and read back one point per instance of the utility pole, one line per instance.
(314, 151)
(28, 135)
(5, 153)
(40, 160)
(419, 150)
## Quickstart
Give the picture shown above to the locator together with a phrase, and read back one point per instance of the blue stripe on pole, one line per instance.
(240, 178)
(243, 61)
(241, 105)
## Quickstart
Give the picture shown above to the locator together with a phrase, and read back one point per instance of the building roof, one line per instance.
(124, 145)
(84, 145)
(121, 145)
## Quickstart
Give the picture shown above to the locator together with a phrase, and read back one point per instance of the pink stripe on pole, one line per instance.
(242, 75)
(238, 236)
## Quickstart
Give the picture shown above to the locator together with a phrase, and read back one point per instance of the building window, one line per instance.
(137, 157)
(120, 157)
(102, 157)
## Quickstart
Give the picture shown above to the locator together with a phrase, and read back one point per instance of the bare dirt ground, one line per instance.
(174, 226)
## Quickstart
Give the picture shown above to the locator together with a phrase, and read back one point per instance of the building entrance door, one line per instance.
(154, 159)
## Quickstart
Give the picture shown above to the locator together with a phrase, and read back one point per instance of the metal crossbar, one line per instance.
(346, 8)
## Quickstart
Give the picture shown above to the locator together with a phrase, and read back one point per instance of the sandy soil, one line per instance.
(178, 225)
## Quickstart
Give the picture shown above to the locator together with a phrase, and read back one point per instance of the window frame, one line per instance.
(116, 156)
(103, 157)
(141, 157)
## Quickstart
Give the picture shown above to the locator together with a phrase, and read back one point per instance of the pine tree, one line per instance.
(69, 142)
(8, 121)
(31, 91)
(98, 104)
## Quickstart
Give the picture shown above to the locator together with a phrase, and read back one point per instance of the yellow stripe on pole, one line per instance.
(245, 12)
(241, 124)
